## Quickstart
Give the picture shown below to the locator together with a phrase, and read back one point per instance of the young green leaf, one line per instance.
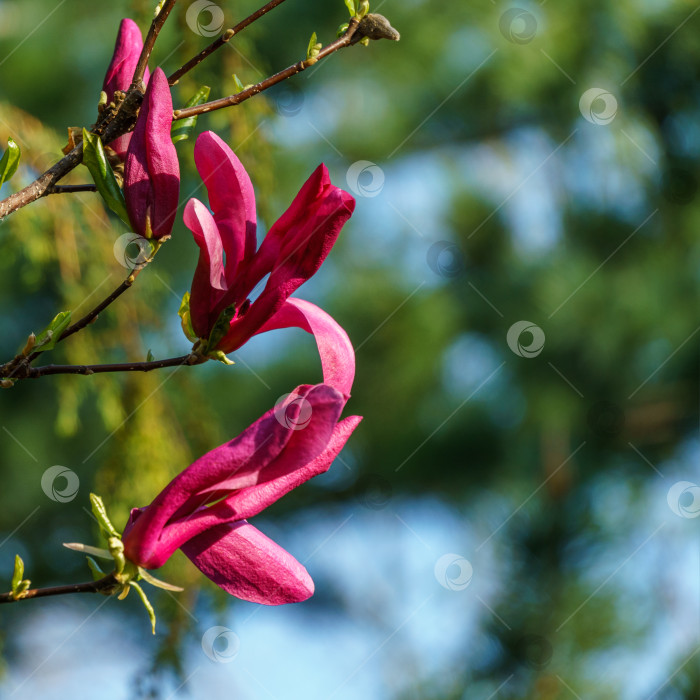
(97, 573)
(183, 128)
(237, 82)
(18, 573)
(150, 357)
(47, 338)
(146, 604)
(350, 4)
(96, 161)
(9, 161)
(313, 48)
(184, 314)
(100, 513)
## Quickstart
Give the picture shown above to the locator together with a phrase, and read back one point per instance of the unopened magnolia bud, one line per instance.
(375, 27)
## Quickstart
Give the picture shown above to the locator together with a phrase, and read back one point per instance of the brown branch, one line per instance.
(231, 100)
(36, 372)
(223, 39)
(149, 43)
(70, 189)
(107, 585)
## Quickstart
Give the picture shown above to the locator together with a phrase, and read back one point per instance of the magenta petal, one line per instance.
(334, 346)
(127, 51)
(231, 198)
(293, 250)
(266, 450)
(249, 565)
(209, 274)
(252, 500)
(120, 72)
(151, 170)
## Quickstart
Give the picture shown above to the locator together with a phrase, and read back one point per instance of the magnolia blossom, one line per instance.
(292, 251)
(120, 72)
(151, 170)
(204, 510)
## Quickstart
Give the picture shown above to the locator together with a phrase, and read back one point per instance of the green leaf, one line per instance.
(350, 4)
(9, 161)
(150, 357)
(97, 573)
(18, 573)
(47, 338)
(342, 29)
(100, 513)
(96, 161)
(239, 85)
(183, 128)
(184, 314)
(146, 604)
(311, 49)
(157, 582)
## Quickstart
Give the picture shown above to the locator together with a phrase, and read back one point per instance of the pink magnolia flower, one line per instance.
(204, 510)
(126, 55)
(152, 171)
(292, 251)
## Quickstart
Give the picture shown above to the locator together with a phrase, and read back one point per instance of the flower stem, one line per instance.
(223, 39)
(103, 585)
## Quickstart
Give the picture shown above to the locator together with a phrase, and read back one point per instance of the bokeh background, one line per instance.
(516, 515)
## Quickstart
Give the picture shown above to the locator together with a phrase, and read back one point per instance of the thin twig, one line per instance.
(70, 189)
(231, 100)
(149, 43)
(108, 585)
(223, 39)
(36, 372)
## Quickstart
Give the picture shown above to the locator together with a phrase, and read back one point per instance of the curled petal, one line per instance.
(151, 171)
(231, 198)
(209, 274)
(293, 250)
(334, 346)
(249, 565)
